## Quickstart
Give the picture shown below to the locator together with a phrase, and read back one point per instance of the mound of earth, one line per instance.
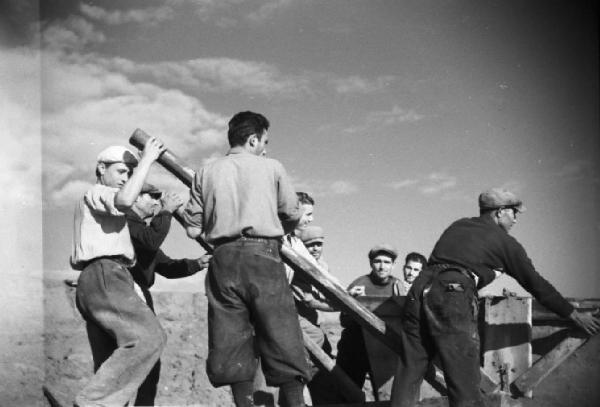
(67, 361)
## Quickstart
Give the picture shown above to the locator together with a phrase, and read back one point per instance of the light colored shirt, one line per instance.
(403, 287)
(100, 229)
(303, 292)
(241, 194)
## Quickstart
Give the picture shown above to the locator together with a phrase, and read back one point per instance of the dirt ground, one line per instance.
(67, 362)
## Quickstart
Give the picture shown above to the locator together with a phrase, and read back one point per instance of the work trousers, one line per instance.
(251, 313)
(146, 394)
(440, 319)
(124, 334)
(321, 382)
(352, 356)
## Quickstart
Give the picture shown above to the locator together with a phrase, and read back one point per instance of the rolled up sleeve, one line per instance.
(288, 207)
(193, 214)
(101, 199)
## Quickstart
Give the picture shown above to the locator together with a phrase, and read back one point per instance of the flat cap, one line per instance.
(150, 189)
(311, 234)
(499, 198)
(384, 248)
(117, 154)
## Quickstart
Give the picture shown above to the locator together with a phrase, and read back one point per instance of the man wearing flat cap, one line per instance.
(440, 316)
(125, 336)
(352, 356)
(149, 223)
(308, 302)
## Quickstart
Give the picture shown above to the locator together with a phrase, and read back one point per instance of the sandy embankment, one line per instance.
(57, 353)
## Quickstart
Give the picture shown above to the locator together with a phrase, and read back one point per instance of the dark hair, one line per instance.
(414, 256)
(244, 124)
(305, 199)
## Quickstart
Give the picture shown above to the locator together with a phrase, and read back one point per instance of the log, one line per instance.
(168, 160)
(546, 364)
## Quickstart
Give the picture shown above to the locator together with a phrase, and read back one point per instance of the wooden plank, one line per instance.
(505, 338)
(50, 397)
(543, 316)
(546, 364)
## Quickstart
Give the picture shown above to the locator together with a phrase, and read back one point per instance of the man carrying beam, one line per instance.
(238, 203)
(105, 296)
(440, 315)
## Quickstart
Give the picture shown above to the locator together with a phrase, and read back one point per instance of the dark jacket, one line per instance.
(147, 240)
(481, 246)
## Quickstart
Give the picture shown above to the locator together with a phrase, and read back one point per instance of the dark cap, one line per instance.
(383, 248)
(311, 234)
(151, 190)
(496, 198)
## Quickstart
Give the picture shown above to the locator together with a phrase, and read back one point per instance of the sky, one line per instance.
(393, 115)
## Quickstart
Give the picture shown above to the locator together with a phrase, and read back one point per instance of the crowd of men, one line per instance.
(244, 205)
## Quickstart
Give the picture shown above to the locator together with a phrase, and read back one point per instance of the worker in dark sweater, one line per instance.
(440, 315)
(149, 222)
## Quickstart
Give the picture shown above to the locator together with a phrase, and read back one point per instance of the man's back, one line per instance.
(243, 194)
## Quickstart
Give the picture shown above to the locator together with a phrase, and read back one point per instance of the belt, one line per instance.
(441, 268)
(119, 259)
(265, 239)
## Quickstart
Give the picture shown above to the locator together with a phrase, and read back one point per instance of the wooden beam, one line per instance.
(546, 364)
(52, 400)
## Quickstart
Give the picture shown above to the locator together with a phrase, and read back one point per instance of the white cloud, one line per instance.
(217, 75)
(91, 102)
(325, 187)
(385, 118)
(268, 9)
(71, 34)
(395, 116)
(343, 188)
(437, 182)
(228, 13)
(68, 194)
(402, 184)
(151, 15)
(356, 84)
(434, 183)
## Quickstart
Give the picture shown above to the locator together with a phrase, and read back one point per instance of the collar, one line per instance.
(379, 283)
(489, 221)
(238, 150)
